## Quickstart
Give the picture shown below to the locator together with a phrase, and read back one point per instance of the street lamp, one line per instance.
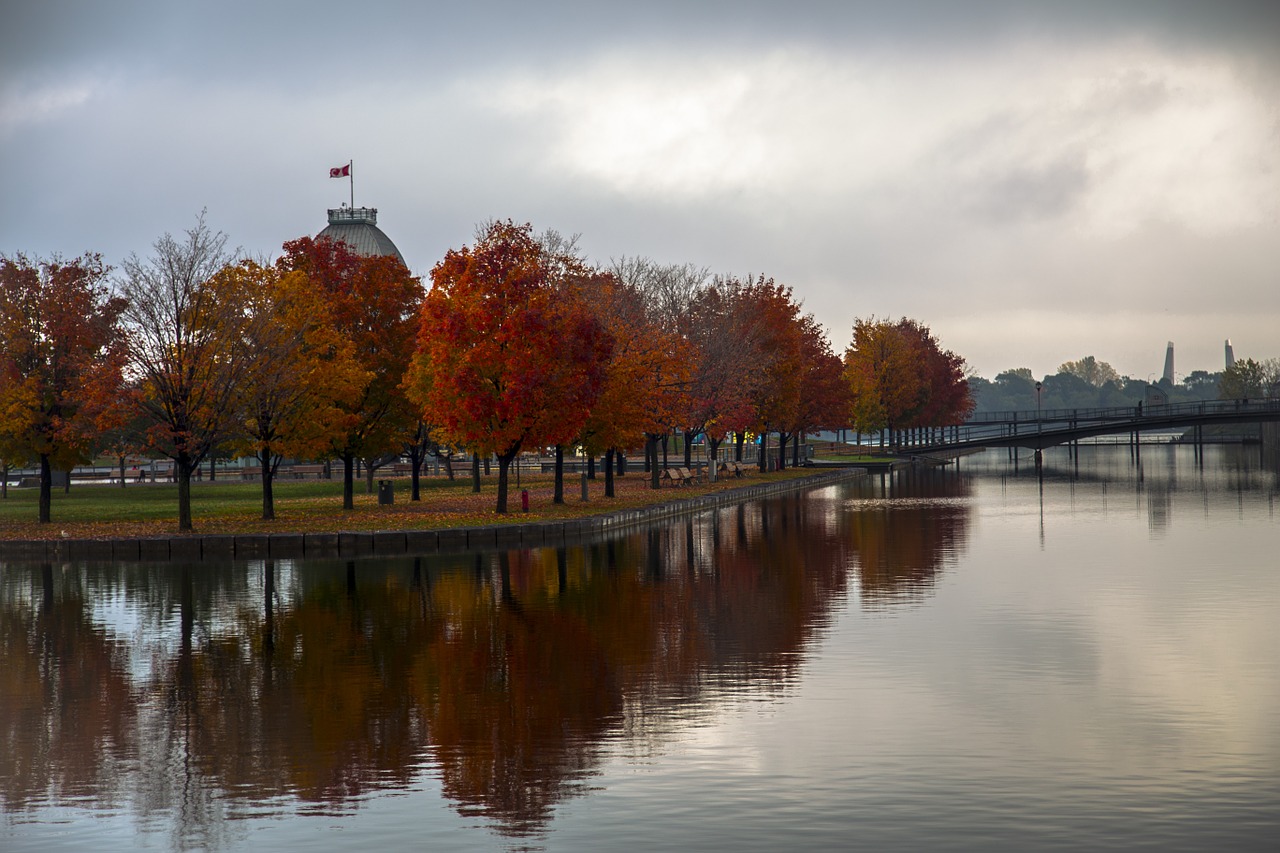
(1039, 430)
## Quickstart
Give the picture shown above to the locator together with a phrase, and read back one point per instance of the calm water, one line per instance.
(968, 660)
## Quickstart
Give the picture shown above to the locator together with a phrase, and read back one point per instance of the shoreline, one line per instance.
(285, 545)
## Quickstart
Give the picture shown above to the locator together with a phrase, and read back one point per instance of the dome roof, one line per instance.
(358, 228)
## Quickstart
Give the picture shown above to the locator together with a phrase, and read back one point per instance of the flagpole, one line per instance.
(351, 176)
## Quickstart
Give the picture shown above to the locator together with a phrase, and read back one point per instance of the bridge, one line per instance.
(1050, 427)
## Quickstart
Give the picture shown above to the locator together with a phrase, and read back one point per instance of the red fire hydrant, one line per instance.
(524, 500)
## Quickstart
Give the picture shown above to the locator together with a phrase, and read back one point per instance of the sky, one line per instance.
(1035, 181)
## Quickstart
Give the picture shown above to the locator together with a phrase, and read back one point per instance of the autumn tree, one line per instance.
(667, 292)
(122, 427)
(776, 389)
(504, 357)
(646, 367)
(899, 376)
(373, 302)
(60, 360)
(723, 332)
(300, 368)
(824, 395)
(184, 347)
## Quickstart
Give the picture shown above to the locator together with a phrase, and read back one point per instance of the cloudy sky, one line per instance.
(1035, 181)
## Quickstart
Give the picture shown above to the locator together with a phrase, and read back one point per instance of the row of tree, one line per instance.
(519, 344)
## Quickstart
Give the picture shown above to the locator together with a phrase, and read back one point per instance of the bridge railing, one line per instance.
(988, 426)
(1124, 413)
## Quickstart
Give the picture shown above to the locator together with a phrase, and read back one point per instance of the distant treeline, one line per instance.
(1015, 390)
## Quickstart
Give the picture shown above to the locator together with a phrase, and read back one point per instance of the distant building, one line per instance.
(1168, 364)
(1231, 355)
(358, 228)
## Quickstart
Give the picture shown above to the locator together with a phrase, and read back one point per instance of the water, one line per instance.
(968, 660)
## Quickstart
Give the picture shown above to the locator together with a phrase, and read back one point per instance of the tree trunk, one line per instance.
(739, 439)
(475, 473)
(591, 465)
(622, 464)
(688, 449)
(182, 465)
(448, 464)
(762, 458)
(46, 489)
(651, 458)
(666, 462)
(608, 472)
(268, 478)
(504, 468)
(369, 471)
(782, 449)
(713, 450)
(348, 481)
(122, 474)
(559, 492)
(416, 458)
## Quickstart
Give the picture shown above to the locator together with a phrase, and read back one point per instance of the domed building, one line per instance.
(358, 228)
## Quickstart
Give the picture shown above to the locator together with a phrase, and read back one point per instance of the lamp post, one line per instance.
(1039, 429)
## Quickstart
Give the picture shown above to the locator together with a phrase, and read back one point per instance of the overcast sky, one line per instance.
(1036, 182)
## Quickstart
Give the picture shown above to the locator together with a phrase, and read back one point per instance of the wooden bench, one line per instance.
(687, 475)
(302, 472)
(675, 476)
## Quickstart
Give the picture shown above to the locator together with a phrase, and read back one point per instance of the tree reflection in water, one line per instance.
(193, 695)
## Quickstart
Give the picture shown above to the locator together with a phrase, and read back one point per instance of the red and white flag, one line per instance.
(340, 171)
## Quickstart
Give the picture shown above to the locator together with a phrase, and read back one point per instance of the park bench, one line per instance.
(687, 475)
(674, 476)
(302, 472)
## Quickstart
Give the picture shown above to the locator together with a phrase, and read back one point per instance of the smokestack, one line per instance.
(1168, 363)
(1231, 355)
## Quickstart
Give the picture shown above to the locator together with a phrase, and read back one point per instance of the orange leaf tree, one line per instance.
(900, 377)
(646, 368)
(60, 360)
(373, 302)
(301, 369)
(505, 359)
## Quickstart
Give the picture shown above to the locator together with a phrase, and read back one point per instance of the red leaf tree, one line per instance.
(60, 360)
(373, 302)
(505, 358)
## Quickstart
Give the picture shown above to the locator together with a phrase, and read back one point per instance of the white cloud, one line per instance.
(22, 105)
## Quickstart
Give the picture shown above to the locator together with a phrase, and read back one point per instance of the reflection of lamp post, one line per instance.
(1038, 389)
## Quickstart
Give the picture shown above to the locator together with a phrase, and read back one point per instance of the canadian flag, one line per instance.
(340, 171)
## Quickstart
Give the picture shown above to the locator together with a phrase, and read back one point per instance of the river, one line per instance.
(971, 658)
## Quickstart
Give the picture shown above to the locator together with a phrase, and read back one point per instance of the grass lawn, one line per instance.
(315, 506)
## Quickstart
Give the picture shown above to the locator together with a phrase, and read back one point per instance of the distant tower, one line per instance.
(1168, 364)
(358, 228)
(1231, 355)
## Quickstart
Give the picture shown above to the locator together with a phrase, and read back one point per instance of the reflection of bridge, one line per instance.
(1051, 427)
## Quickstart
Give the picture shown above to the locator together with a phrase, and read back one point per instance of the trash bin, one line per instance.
(386, 492)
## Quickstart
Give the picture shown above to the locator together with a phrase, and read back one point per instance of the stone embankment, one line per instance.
(196, 548)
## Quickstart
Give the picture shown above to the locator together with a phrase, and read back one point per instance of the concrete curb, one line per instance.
(401, 542)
